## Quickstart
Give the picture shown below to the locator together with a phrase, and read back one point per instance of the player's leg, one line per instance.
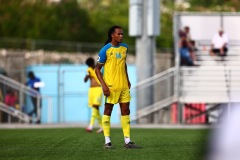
(109, 103)
(106, 124)
(95, 116)
(98, 102)
(90, 104)
(95, 100)
(125, 119)
(99, 119)
(91, 123)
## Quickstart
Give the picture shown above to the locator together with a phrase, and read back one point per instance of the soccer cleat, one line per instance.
(108, 146)
(100, 130)
(88, 130)
(132, 145)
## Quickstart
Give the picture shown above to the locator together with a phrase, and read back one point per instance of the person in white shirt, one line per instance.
(219, 44)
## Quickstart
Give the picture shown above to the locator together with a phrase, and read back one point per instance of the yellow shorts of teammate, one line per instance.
(94, 96)
(118, 97)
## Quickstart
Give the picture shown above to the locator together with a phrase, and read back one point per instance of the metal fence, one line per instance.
(51, 45)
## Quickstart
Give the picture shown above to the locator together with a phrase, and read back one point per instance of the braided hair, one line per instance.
(110, 32)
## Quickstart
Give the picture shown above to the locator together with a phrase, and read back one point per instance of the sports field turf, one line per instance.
(77, 144)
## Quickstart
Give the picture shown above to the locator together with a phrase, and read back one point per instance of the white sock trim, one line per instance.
(107, 140)
(90, 127)
(127, 140)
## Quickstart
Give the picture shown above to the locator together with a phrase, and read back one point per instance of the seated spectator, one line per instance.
(219, 44)
(180, 33)
(191, 43)
(185, 58)
(188, 34)
(11, 99)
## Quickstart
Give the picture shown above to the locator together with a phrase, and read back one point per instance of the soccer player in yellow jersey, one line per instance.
(115, 84)
(94, 95)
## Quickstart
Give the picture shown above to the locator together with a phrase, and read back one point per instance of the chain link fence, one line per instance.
(51, 45)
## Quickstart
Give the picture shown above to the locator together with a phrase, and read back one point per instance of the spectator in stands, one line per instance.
(35, 83)
(185, 58)
(219, 44)
(188, 34)
(191, 43)
(180, 33)
(11, 99)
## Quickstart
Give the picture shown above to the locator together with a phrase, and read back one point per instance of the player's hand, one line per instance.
(129, 85)
(106, 91)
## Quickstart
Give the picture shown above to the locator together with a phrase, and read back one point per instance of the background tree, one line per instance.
(89, 20)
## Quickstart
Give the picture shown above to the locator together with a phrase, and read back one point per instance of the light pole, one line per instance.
(144, 24)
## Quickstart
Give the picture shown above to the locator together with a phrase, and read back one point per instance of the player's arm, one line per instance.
(129, 83)
(87, 76)
(126, 71)
(105, 88)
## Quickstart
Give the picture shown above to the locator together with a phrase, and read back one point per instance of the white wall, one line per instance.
(204, 26)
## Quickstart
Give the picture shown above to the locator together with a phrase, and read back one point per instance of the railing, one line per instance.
(15, 113)
(23, 92)
(164, 78)
(196, 85)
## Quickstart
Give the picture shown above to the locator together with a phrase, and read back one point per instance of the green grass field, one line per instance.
(75, 143)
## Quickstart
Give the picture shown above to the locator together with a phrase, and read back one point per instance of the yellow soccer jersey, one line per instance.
(114, 60)
(92, 73)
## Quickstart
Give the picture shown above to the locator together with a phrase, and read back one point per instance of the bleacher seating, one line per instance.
(215, 81)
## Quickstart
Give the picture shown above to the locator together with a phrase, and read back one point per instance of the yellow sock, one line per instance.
(125, 121)
(106, 125)
(93, 116)
(99, 118)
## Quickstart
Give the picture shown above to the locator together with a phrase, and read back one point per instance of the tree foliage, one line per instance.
(40, 20)
(88, 20)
